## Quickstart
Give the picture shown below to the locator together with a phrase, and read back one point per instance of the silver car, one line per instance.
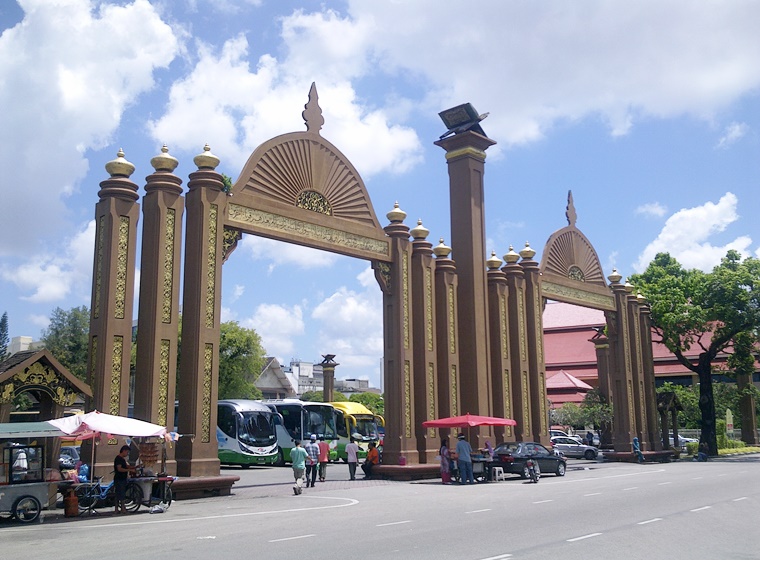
(571, 448)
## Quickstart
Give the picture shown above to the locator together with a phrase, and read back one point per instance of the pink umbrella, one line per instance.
(468, 420)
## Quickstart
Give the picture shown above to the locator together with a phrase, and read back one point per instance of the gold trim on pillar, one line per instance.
(163, 381)
(120, 296)
(93, 358)
(521, 322)
(452, 321)
(405, 295)
(429, 308)
(504, 326)
(527, 419)
(431, 395)
(507, 401)
(211, 266)
(208, 360)
(542, 387)
(98, 269)
(454, 400)
(115, 396)
(166, 297)
(407, 399)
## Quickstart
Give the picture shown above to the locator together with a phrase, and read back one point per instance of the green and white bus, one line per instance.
(245, 433)
(355, 421)
(298, 420)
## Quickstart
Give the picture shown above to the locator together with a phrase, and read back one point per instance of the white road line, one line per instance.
(583, 537)
(591, 494)
(665, 483)
(499, 557)
(478, 511)
(741, 499)
(544, 501)
(392, 523)
(649, 521)
(700, 509)
(292, 538)
(630, 489)
(696, 478)
(722, 474)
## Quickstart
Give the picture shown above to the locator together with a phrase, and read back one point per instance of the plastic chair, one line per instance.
(497, 474)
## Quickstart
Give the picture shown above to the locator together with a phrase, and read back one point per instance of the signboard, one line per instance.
(729, 423)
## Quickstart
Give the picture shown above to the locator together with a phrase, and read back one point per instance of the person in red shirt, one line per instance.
(373, 458)
(324, 458)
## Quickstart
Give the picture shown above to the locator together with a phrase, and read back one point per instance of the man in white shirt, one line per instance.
(352, 451)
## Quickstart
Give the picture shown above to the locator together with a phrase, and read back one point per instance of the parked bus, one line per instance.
(355, 421)
(298, 420)
(245, 433)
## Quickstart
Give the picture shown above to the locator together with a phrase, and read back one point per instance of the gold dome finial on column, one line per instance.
(164, 162)
(614, 277)
(396, 214)
(527, 252)
(441, 250)
(206, 159)
(419, 232)
(511, 256)
(120, 166)
(493, 262)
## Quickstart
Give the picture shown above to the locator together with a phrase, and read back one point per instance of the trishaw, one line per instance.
(23, 489)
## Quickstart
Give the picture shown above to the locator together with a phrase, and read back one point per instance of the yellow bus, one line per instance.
(355, 421)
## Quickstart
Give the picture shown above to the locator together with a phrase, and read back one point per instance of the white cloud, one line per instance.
(51, 278)
(686, 236)
(237, 292)
(279, 326)
(69, 70)
(732, 133)
(280, 253)
(652, 210)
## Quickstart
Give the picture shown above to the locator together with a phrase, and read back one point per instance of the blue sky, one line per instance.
(649, 112)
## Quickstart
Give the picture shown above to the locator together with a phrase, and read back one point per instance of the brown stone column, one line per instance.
(158, 312)
(423, 332)
(647, 357)
(637, 372)
(518, 346)
(498, 324)
(534, 329)
(201, 305)
(447, 339)
(328, 377)
(395, 280)
(465, 156)
(113, 280)
(620, 368)
(747, 406)
(602, 348)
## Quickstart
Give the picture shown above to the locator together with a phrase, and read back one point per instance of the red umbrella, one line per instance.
(468, 420)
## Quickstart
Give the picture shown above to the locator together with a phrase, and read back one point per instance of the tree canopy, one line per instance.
(716, 312)
(374, 402)
(241, 359)
(67, 337)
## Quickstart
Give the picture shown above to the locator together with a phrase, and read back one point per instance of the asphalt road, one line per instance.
(598, 511)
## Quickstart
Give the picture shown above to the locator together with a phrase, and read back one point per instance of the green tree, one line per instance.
(718, 312)
(67, 338)
(568, 414)
(688, 397)
(4, 339)
(373, 402)
(595, 411)
(318, 396)
(241, 359)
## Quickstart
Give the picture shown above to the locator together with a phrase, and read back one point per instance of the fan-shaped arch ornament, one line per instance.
(570, 268)
(300, 188)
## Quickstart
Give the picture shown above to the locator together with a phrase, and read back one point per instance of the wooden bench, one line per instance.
(202, 487)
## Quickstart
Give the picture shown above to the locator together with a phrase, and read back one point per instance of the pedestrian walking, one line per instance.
(298, 457)
(324, 458)
(312, 461)
(352, 458)
(589, 438)
(464, 461)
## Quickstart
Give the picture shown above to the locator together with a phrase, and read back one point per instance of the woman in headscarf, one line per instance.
(445, 461)
(637, 450)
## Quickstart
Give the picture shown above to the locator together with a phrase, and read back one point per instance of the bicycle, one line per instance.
(93, 495)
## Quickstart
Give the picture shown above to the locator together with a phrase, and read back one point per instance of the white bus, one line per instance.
(298, 420)
(245, 432)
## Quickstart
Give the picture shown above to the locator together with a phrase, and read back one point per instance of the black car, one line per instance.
(511, 456)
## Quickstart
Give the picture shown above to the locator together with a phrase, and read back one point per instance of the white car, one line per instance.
(682, 441)
(572, 448)
(557, 433)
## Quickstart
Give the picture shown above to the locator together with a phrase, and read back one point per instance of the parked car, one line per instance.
(512, 456)
(558, 433)
(682, 441)
(571, 448)
(69, 457)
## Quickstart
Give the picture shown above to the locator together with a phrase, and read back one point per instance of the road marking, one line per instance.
(478, 511)
(665, 483)
(206, 537)
(700, 509)
(544, 501)
(696, 478)
(584, 537)
(499, 557)
(741, 499)
(392, 523)
(630, 488)
(649, 521)
(292, 538)
(591, 494)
